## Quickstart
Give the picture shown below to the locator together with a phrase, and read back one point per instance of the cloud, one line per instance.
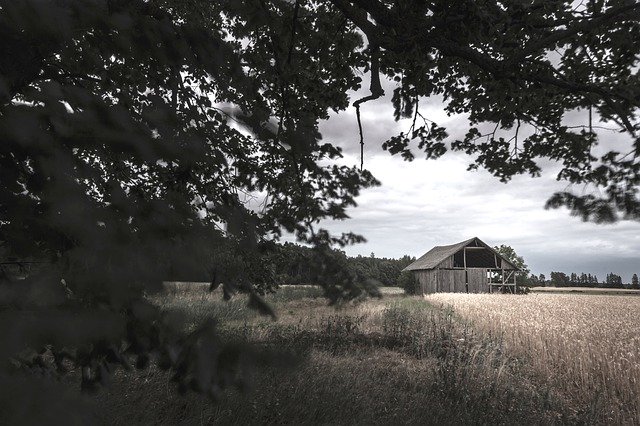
(426, 203)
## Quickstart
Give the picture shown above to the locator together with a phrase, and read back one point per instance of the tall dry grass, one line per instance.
(393, 361)
(585, 348)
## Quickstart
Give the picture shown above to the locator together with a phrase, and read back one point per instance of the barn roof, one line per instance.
(432, 258)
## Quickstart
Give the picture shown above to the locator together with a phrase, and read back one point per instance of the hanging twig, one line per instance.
(361, 138)
(376, 91)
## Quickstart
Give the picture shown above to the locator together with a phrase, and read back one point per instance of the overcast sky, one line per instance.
(425, 203)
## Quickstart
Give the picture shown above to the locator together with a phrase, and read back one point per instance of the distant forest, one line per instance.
(560, 279)
(294, 265)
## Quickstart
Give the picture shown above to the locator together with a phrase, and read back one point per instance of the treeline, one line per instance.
(268, 266)
(560, 279)
(293, 265)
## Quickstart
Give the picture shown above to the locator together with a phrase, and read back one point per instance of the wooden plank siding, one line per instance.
(459, 277)
(446, 280)
(425, 278)
(477, 280)
(452, 280)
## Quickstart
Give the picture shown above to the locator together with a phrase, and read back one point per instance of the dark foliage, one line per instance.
(560, 279)
(408, 282)
(120, 168)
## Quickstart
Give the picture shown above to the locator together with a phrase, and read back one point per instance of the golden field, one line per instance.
(585, 347)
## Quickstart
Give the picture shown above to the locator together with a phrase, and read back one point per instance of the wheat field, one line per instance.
(585, 348)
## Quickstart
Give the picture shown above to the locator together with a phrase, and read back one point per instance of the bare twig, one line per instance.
(376, 91)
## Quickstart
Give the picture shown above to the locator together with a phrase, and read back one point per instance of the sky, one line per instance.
(425, 203)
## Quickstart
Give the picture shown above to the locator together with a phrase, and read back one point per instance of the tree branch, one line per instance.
(613, 15)
(376, 91)
(500, 69)
(358, 16)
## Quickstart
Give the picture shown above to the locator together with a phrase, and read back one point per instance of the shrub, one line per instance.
(520, 289)
(408, 282)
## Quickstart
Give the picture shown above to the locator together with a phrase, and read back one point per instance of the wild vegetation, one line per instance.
(449, 359)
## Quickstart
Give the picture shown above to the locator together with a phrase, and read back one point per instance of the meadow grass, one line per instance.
(395, 360)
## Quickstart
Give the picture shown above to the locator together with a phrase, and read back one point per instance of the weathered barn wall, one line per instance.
(423, 278)
(449, 280)
(445, 280)
(504, 264)
(459, 277)
(432, 287)
(477, 280)
(452, 280)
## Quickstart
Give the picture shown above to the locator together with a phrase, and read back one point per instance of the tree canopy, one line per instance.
(136, 136)
(510, 254)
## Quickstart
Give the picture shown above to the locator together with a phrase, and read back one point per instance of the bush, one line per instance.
(408, 282)
(519, 290)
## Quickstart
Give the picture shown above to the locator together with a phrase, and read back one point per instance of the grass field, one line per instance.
(449, 359)
(587, 290)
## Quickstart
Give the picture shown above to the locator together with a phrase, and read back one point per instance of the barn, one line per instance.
(470, 266)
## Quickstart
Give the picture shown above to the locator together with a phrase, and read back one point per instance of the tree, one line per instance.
(491, 62)
(119, 166)
(542, 279)
(405, 261)
(510, 254)
(559, 279)
(613, 281)
(408, 282)
(136, 134)
(634, 281)
(532, 281)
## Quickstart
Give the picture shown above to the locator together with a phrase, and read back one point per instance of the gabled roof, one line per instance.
(432, 258)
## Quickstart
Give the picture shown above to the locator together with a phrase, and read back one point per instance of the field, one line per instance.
(446, 359)
(585, 347)
(586, 290)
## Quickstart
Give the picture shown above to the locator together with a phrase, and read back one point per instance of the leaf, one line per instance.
(228, 290)
(257, 303)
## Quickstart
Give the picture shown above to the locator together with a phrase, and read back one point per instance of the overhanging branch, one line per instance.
(389, 33)
(376, 91)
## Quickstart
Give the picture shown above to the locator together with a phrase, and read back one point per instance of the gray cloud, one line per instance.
(426, 203)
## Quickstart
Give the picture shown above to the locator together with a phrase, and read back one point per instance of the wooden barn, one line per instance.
(470, 266)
